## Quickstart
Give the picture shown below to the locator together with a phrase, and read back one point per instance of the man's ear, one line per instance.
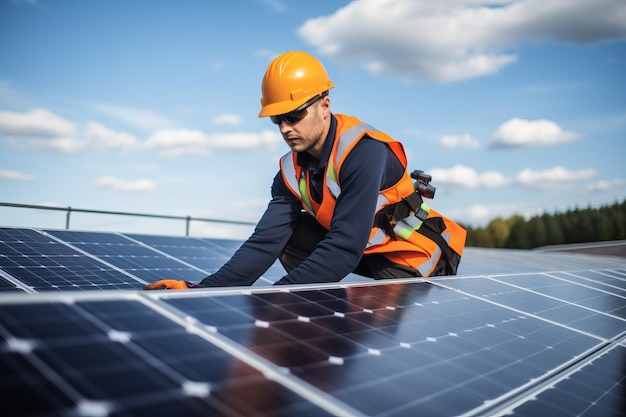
(325, 105)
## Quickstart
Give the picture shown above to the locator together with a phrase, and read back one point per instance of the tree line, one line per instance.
(573, 226)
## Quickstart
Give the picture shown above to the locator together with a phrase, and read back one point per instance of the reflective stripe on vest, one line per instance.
(410, 224)
(345, 140)
(299, 185)
(428, 265)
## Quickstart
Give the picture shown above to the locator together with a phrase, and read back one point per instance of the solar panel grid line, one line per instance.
(42, 262)
(612, 279)
(101, 403)
(268, 368)
(549, 275)
(192, 388)
(16, 283)
(98, 408)
(182, 261)
(222, 250)
(83, 406)
(586, 302)
(164, 253)
(90, 255)
(449, 283)
(138, 260)
(510, 407)
(505, 405)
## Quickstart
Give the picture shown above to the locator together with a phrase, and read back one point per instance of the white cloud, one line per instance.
(7, 174)
(42, 129)
(100, 136)
(142, 119)
(459, 141)
(521, 132)
(36, 122)
(466, 177)
(553, 177)
(120, 185)
(227, 119)
(477, 213)
(606, 185)
(452, 40)
(58, 144)
(183, 142)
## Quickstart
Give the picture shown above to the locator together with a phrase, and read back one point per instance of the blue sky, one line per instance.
(514, 107)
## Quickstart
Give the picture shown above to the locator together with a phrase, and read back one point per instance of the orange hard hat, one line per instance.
(291, 80)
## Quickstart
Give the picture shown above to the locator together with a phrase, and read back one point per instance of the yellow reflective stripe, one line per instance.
(304, 193)
(331, 174)
(405, 227)
(344, 141)
(331, 180)
(408, 225)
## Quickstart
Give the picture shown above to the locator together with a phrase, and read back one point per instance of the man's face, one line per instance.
(309, 133)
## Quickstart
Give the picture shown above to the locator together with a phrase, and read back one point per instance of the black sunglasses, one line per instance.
(296, 115)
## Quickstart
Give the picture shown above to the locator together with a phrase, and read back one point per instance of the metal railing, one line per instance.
(69, 210)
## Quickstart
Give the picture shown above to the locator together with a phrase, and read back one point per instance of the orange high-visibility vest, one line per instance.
(407, 242)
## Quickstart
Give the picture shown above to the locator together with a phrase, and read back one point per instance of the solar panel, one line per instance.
(139, 260)
(194, 251)
(395, 349)
(206, 254)
(120, 357)
(482, 261)
(546, 338)
(42, 263)
(594, 311)
(598, 388)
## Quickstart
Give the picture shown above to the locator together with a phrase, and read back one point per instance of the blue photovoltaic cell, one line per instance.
(568, 303)
(206, 254)
(138, 260)
(45, 264)
(613, 281)
(596, 390)
(7, 286)
(393, 349)
(194, 251)
(115, 358)
(481, 261)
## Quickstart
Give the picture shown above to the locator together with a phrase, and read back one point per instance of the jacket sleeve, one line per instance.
(262, 248)
(370, 167)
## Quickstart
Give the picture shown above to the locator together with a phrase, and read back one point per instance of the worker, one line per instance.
(343, 200)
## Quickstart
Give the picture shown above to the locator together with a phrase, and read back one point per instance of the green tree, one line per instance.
(498, 231)
(574, 226)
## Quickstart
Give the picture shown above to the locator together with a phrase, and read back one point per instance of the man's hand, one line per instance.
(171, 284)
